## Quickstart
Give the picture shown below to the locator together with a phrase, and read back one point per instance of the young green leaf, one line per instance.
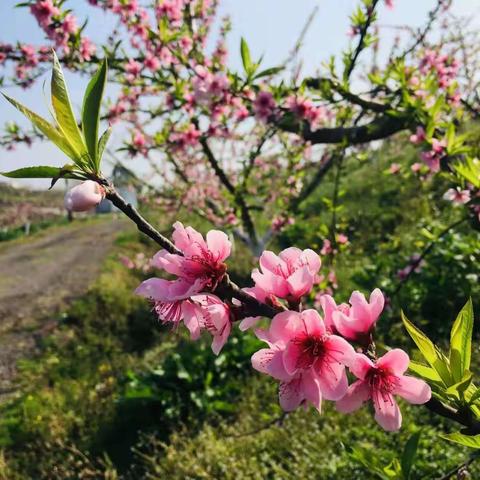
(102, 143)
(424, 371)
(33, 172)
(91, 111)
(457, 389)
(472, 441)
(49, 130)
(475, 396)
(409, 453)
(268, 72)
(64, 113)
(461, 342)
(434, 357)
(470, 170)
(246, 58)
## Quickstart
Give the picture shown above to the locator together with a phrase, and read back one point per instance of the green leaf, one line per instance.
(409, 453)
(33, 172)
(49, 130)
(472, 441)
(434, 357)
(67, 171)
(268, 72)
(475, 396)
(470, 170)
(424, 371)
(246, 58)
(457, 389)
(461, 342)
(102, 143)
(92, 103)
(64, 113)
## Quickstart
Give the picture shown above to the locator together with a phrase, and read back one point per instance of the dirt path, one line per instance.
(39, 277)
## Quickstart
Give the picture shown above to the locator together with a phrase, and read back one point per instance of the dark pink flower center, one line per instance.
(311, 348)
(206, 266)
(382, 384)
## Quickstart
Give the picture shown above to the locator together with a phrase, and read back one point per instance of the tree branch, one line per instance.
(460, 468)
(238, 197)
(378, 129)
(361, 40)
(316, 83)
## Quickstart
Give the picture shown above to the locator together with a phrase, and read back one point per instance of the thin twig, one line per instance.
(425, 252)
(462, 467)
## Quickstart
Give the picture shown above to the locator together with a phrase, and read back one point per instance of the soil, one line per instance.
(38, 279)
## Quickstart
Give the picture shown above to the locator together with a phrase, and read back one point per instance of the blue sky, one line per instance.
(270, 26)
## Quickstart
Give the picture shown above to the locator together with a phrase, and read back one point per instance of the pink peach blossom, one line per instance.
(380, 381)
(457, 196)
(264, 106)
(43, 11)
(357, 322)
(419, 136)
(289, 275)
(201, 267)
(308, 361)
(87, 49)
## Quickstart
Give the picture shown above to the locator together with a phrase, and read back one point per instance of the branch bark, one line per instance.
(238, 197)
(378, 129)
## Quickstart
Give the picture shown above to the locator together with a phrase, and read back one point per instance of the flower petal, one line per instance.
(291, 394)
(395, 360)
(188, 240)
(291, 256)
(345, 325)
(261, 359)
(328, 306)
(219, 244)
(247, 323)
(312, 260)
(285, 326)
(313, 323)
(360, 365)
(155, 288)
(387, 413)
(300, 282)
(270, 283)
(191, 318)
(271, 262)
(357, 394)
(333, 380)
(311, 389)
(413, 390)
(339, 350)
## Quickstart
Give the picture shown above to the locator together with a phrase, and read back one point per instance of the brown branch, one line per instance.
(143, 226)
(316, 83)
(237, 196)
(361, 40)
(460, 468)
(378, 129)
(322, 170)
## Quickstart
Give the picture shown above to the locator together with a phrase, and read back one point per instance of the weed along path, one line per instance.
(39, 277)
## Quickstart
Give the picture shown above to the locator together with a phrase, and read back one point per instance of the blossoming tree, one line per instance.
(245, 149)
(209, 115)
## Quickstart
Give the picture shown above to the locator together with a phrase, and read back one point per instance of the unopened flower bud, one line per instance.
(84, 197)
